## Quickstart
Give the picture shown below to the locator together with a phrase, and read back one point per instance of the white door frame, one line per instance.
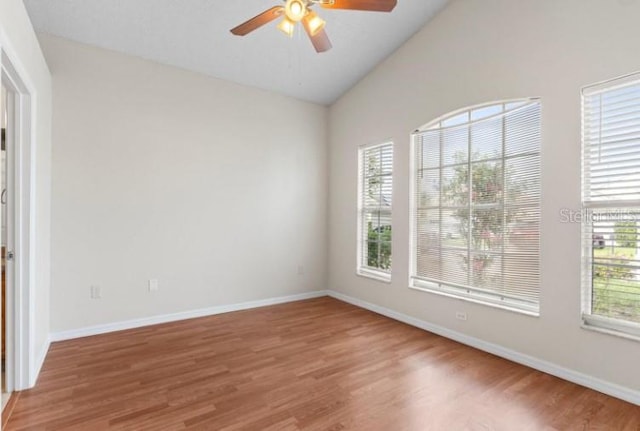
(21, 358)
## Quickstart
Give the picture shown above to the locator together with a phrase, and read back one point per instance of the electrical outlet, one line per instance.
(153, 285)
(461, 315)
(96, 292)
(300, 270)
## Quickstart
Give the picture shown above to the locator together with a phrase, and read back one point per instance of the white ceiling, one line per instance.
(194, 35)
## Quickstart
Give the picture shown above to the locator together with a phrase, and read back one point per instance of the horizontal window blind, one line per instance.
(374, 210)
(611, 202)
(476, 205)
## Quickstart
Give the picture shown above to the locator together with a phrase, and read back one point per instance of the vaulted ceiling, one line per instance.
(194, 35)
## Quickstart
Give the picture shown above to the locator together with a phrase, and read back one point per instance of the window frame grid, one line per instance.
(609, 325)
(362, 269)
(453, 290)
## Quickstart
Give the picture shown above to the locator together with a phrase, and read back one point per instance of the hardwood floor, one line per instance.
(8, 408)
(312, 365)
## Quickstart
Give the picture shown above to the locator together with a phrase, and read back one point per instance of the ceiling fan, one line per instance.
(295, 11)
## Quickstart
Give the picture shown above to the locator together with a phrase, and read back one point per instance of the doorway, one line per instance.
(17, 226)
(4, 122)
(3, 241)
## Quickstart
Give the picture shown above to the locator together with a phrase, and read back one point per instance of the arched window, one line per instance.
(476, 205)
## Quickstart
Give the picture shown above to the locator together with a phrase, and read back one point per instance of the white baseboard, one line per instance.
(165, 318)
(599, 385)
(39, 361)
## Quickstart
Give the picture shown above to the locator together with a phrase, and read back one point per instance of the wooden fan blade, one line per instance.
(320, 41)
(372, 5)
(258, 21)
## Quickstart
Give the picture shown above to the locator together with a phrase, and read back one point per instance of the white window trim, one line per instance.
(610, 326)
(361, 270)
(520, 307)
(385, 277)
(619, 328)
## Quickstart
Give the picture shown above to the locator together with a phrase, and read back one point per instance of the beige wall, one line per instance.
(478, 51)
(19, 43)
(217, 190)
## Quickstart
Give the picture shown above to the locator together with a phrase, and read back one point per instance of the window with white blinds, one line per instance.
(611, 205)
(375, 193)
(476, 205)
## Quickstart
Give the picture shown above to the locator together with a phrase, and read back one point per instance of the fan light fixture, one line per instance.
(295, 11)
(314, 22)
(287, 26)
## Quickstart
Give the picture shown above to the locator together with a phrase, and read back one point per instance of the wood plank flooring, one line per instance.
(319, 364)
(8, 408)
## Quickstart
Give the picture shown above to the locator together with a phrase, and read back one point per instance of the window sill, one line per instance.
(592, 323)
(475, 300)
(375, 275)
